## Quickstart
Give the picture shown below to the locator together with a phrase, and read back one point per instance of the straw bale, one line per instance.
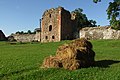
(51, 62)
(72, 56)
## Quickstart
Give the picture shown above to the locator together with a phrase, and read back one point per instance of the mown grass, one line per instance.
(22, 62)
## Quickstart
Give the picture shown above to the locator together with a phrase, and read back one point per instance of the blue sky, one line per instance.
(24, 15)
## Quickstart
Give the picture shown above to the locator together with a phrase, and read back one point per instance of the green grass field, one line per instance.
(22, 62)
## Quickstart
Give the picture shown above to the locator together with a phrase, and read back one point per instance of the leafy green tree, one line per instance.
(21, 32)
(113, 12)
(95, 1)
(17, 32)
(82, 20)
(92, 23)
(29, 32)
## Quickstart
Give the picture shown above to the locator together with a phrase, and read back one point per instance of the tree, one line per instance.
(17, 32)
(21, 32)
(93, 23)
(95, 1)
(29, 32)
(113, 12)
(82, 20)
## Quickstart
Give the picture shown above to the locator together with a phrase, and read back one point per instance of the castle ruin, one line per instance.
(56, 25)
(2, 36)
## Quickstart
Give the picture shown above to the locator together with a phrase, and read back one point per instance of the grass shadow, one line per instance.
(17, 72)
(105, 63)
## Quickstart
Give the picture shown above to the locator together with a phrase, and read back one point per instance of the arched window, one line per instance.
(46, 37)
(50, 28)
(50, 15)
(53, 37)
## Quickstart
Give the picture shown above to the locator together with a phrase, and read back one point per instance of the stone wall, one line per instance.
(50, 25)
(38, 36)
(24, 37)
(99, 33)
(2, 36)
(66, 25)
(27, 37)
(56, 25)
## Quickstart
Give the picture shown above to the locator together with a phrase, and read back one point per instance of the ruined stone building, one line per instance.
(56, 25)
(104, 32)
(2, 36)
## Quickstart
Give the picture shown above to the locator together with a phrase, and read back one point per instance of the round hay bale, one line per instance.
(82, 43)
(71, 64)
(86, 56)
(64, 46)
(51, 62)
(72, 56)
(90, 57)
(68, 52)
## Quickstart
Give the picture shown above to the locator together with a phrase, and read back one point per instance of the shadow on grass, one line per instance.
(105, 63)
(16, 72)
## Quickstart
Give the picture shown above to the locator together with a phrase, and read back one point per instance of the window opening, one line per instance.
(50, 15)
(50, 28)
(46, 37)
(53, 37)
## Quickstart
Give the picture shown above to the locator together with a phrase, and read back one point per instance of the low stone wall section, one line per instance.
(99, 33)
(26, 37)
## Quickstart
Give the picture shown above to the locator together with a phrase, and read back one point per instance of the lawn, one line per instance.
(23, 61)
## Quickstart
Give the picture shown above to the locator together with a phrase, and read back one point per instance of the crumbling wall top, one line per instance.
(95, 28)
(53, 10)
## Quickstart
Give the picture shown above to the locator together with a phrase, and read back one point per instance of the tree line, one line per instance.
(82, 20)
(113, 12)
(28, 32)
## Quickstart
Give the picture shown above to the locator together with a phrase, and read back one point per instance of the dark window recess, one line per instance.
(50, 28)
(46, 37)
(53, 37)
(50, 15)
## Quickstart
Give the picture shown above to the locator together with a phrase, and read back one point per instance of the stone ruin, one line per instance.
(2, 36)
(35, 37)
(72, 56)
(56, 25)
(94, 33)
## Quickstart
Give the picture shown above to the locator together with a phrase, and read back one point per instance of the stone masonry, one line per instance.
(28, 37)
(99, 33)
(2, 36)
(56, 25)
(24, 37)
